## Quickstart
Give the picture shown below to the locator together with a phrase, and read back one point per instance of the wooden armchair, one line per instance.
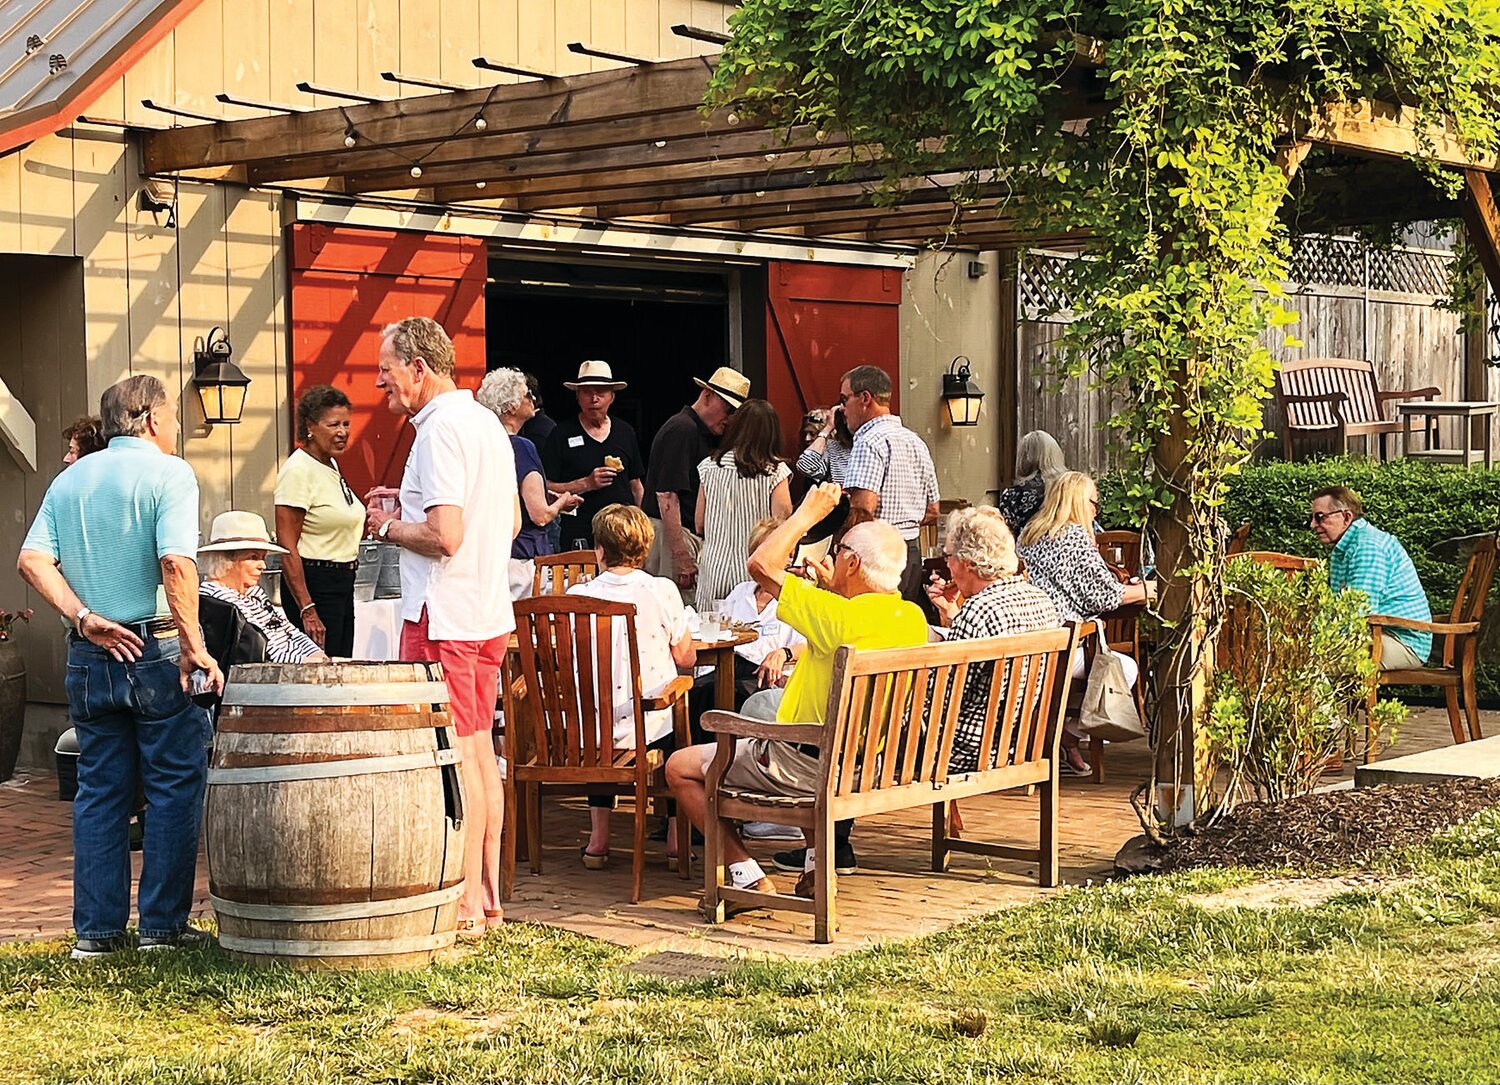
(560, 734)
(567, 569)
(887, 744)
(1459, 641)
(1338, 397)
(1121, 551)
(1287, 563)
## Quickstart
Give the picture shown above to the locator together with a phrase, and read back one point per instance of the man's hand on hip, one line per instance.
(197, 658)
(114, 638)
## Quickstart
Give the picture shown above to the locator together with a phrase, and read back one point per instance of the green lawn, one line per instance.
(1123, 982)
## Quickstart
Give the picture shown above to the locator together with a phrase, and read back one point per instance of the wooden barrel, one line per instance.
(335, 821)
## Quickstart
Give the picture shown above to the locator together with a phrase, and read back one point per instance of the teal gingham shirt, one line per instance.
(1369, 560)
(109, 519)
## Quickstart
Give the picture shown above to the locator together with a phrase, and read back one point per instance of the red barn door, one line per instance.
(821, 321)
(349, 283)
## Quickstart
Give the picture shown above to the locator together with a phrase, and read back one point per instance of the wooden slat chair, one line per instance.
(1287, 563)
(1459, 641)
(886, 745)
(567, 569)
(1337, 397)
(1238, 540)
(1121, 551)
(563, 737)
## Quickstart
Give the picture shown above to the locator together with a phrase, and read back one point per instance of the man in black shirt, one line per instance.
(593, 455)
(672, 481)
(539, 426)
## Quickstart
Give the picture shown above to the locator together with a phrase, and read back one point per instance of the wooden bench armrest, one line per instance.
(676, 689)
(1390, 621)
(732, 723)
(1408, 393)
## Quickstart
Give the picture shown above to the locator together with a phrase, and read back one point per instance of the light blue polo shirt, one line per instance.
(1369, 560)
(109, 519)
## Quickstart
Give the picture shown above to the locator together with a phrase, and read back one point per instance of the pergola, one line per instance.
(634, 143)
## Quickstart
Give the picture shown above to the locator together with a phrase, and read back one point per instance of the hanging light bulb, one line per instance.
(481, 123)
(661, 143)
(479, 184)
(733, 118)
(416, 171)
(349, 140)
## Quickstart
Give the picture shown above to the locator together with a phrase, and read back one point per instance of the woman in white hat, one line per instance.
(229, 568)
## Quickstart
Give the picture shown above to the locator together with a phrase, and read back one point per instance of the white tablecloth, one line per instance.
(377, 629)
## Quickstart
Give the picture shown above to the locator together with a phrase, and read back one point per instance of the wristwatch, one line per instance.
(83, 612)
(384, 529)
(790, 656)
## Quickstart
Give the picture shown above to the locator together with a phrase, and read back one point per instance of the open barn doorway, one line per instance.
(657, 324)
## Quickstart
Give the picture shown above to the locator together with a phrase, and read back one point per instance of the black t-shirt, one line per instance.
(680, 446)
(570, 453)
(537, 429)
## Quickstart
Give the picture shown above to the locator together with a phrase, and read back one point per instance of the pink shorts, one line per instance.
(470, 667)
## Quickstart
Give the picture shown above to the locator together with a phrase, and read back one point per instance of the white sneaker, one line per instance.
(769, 830)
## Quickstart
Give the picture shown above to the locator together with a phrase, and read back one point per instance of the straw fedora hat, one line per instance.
(595, 375)
(239, 531)
(730, 385)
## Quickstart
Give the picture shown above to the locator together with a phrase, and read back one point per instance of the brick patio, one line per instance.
(892, 896)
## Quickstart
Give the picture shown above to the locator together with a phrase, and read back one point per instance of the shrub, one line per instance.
(1294, 671)
(1424, 505)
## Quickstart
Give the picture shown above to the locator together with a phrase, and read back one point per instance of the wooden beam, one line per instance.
(624, 132)
(1381, 128)
(716, 206)
(697, 33)
(588, 189)
(575, 99)
(927, 202)
(933, 215)
(1483, 223)
(1291, 156)
(699, 187)
(578, 165)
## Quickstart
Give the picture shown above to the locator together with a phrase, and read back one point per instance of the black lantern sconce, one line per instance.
(960, 394)
(221, 384)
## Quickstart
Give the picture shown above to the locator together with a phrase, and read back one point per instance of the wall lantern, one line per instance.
(221, 384)
(961, 395)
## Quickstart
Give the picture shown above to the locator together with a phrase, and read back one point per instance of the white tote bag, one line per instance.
(1108, 710)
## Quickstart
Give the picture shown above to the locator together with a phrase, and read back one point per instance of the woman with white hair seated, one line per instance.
(985, 595)
(506, 392)
(1039, 463)
(229, 568)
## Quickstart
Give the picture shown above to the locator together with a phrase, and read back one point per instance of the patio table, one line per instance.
(720, 655)
(1464, 410)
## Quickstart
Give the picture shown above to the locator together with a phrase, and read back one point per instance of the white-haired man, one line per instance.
(860, 607)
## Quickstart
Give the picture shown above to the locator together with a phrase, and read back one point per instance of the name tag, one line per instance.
(575, 442)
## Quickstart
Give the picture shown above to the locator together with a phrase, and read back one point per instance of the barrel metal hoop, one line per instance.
(328, 770)
(321, 913)
(303, 947)
(310, 695)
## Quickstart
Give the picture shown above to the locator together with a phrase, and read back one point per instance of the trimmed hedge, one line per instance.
(1424, 505)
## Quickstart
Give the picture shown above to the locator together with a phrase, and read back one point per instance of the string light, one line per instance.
(416, 171)
(349, 140)
(479, 184)
(481, 123)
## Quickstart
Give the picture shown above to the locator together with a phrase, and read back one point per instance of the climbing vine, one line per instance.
(1152, 127)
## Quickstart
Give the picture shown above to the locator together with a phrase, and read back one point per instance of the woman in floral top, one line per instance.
(1063, 560)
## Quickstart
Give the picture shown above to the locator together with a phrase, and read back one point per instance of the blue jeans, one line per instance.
(134, 718)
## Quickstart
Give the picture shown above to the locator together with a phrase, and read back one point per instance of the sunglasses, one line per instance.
(1319, 517)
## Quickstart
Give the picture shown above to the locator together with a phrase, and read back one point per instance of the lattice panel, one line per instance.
(1042, 284)
(1409, 271)
(1327, 261)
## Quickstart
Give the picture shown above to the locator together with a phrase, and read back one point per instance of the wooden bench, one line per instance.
(1338, 397)
(887, 744)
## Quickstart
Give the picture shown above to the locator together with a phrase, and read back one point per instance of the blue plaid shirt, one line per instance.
(892, 461)
(1371, 561)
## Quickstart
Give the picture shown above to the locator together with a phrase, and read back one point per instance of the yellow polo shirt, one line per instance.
(829, 622)
(334, 518)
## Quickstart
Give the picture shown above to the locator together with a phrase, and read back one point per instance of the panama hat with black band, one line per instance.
(730, 385)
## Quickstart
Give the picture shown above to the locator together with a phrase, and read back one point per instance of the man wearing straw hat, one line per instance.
(113, 551)
(672, 478)
(593, 455)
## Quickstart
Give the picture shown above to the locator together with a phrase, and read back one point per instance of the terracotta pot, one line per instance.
(12, 706)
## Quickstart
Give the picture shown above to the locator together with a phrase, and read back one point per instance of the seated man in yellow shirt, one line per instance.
(861, 607)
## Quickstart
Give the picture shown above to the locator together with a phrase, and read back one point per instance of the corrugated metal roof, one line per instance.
(58, 56)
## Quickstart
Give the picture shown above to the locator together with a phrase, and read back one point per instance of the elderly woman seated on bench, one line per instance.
(230, 565)
(984, 596)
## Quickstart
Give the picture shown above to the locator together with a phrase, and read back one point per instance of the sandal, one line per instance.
(470, 930)
(494, 919)
(592, 861)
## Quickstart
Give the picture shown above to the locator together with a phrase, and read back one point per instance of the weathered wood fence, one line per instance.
(1354, 301)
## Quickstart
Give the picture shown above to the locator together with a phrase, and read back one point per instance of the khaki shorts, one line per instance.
(1397, 655)
(769, 768)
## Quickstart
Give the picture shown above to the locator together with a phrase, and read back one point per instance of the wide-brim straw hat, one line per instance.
(239, 531)
(730, 385)
(595, 375)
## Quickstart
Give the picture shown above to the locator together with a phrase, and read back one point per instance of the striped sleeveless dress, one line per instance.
(732, 506)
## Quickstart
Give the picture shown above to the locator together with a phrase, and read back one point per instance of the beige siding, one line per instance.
(944, 313)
